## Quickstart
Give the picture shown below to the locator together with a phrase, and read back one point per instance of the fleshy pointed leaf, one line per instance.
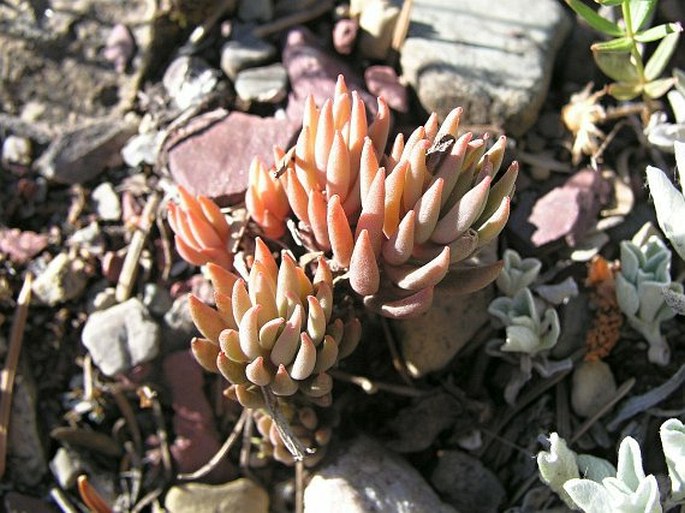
(428, 275)
(205, 353)
(364, 273)
(208, 321)
(658, 32)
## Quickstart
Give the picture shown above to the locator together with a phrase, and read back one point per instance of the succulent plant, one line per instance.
(276, 330)
(527, 331)
(306, 424)
(396, 222)
(645, 272)
(517, 273)
(202, 234)
(624, 488)
(265, 198)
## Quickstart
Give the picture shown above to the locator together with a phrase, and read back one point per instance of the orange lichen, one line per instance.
(604, 333)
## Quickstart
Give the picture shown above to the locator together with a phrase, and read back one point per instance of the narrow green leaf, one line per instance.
(611, 3)
(658, 32)
(617, 66)
(620, 44)
(657, 88)
(623, 91)
(658, 61)
(679, 76)
(593, 19)
(640, 12)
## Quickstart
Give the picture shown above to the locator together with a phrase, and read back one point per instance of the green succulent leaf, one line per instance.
(593, 19)
(629, 468)
(658, 32)
(669, 203)
(657, 88)
(679, 76)
(619, 44)
(617, 65)
(592, 467)
(591, 497)
(658, 61)
(623, 91)
(558, 466)
(640, 12)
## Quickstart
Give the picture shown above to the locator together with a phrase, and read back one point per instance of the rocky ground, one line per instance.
(107, 106)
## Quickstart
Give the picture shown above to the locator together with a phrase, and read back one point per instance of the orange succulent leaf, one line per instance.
(208, 321)
(205, 352)
(202, 234)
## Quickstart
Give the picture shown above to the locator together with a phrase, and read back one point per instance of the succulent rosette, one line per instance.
(276, 330)
(202, 234)
(399, 222)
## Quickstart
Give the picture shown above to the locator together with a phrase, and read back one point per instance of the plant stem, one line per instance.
(634, 50)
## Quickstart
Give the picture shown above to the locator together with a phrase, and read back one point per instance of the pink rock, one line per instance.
(345, 35)
(21, 246)
(383, 81)
(214, 160)
(112, 264)
(196, 437)
(570, 210)
(119, 47)
(313, 70)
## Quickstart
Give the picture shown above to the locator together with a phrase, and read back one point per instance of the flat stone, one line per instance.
(21, 246)
(106, 202)
(497, 67)
(241, 495)
(429, 342)
(223, 149)
(364, 478)
(466, 484)
(80, 155)
(62, 280)
(243, 53)
(266, 84)
(197, 439)
(313, 70)
(121, 337)
(569, 211)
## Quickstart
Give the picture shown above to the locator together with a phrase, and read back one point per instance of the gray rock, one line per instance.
(89, 238)
(267, 84)
(367, 478)
(26, 455)
(16, 150)
(188, 80)
(82, 154)
(66, 466)
(498, 67)
(100, 297)
(157, 299)
(247, 52)
(106, 202)
(429, 342)
(256, 10)
(142, 149)
(121, 337)
(466, 484)
(240, 495)
(63, 279)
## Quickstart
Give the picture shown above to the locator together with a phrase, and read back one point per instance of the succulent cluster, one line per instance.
(396, 222)
(202, 233)
(276, 330)
(645, 273)
(305, 423)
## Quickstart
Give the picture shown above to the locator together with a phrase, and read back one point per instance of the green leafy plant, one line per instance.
(621, 489)
(621, 58)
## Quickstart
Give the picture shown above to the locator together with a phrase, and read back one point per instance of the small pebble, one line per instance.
(157, 299)
(62, 280)
(240, 495)
(266, 84)
(243, 53)
(16, 150)
(66, 466)
(383, 81)
(345, 35)
(188, 80)
(593, 386)
(106, 202)
(121, 337)
(119, 47)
